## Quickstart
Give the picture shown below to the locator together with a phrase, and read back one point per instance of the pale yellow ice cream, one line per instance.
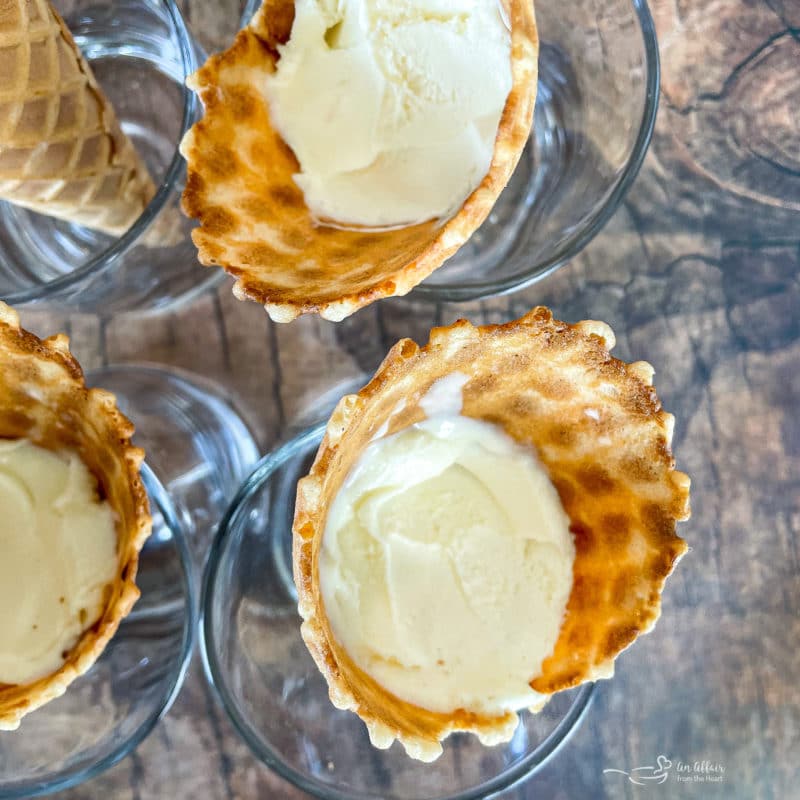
(446, 564)
(58, 548)
(391, 106)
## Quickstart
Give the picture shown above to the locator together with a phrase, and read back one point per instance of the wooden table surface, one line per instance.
(697, 272)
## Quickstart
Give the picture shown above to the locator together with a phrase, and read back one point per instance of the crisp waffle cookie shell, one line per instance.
(253, 218)
(43, 398)
(598, 428)
(62, 151)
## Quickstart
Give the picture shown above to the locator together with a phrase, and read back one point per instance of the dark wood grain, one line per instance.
(697, 273)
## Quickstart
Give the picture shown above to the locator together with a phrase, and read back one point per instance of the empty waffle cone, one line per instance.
(43, 398)
(599, 430)
(253, 219)
(62, 151)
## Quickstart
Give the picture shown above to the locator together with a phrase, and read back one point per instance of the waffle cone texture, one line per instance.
(62, 151)
(43, 397)
(253, 218)
(600, 432)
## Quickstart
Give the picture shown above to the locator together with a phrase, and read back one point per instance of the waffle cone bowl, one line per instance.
(43, 398)
(253, 219)
(599, 430)
(62, 151)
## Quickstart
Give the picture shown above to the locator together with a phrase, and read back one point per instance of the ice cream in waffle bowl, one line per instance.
(74, 518)
(489, 521)
(348, 149)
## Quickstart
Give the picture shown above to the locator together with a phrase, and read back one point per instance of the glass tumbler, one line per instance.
(198, 451)
(141, 53)
(595, 111)
(107, 712)
(276, 696)
(195, 439)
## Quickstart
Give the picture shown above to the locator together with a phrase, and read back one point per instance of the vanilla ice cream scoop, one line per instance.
(488, 522)
(446, 566)
(58, 543)
(391, 106)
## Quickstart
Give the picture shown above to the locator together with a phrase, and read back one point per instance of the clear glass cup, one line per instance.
(108, 711)
(141, 53)
(595, 111)
(277, 698)
(195, 438)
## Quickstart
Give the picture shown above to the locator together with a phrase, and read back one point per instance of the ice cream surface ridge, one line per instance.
(391, 106)
(446, 564)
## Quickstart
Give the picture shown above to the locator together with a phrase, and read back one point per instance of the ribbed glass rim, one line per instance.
(232, 518)
(106, 260)
(458, 292)
(160, 498)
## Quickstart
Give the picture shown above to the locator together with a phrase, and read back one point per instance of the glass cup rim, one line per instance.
(457, 292)
(158, 495)
(106, 259)
(260, 475)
